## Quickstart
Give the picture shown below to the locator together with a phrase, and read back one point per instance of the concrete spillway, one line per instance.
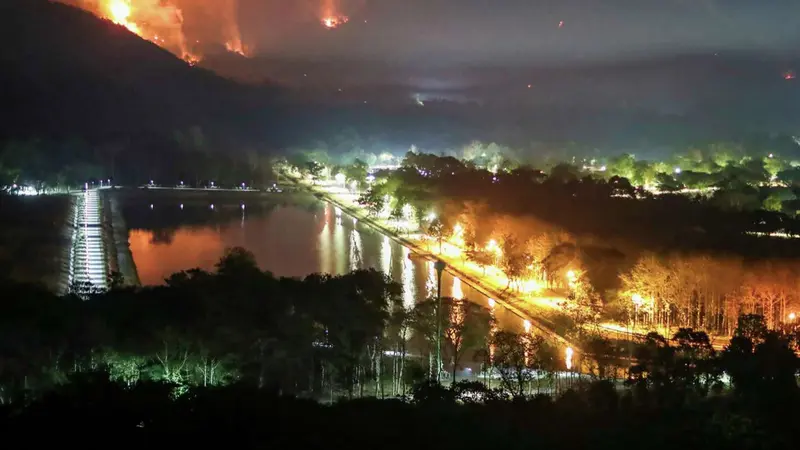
(88, 263)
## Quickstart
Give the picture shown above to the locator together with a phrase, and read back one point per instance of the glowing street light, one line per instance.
(431, 216)
(792, 317)
(527, 325)
(637, 300)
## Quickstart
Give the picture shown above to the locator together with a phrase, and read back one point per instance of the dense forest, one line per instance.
(218, 353)
(690, 259)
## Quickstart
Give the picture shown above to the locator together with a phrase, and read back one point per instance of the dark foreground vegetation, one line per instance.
(597, 417)
(242, 355)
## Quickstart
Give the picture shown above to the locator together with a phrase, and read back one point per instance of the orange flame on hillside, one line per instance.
(157, 21)
(330, 15)
(162, 22)
(332, 22)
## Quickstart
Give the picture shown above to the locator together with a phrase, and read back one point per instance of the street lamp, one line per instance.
(439, 265)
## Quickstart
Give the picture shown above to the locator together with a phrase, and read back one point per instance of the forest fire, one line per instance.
(157, 21)
(332, 22)
(166, 23)
(331, 16)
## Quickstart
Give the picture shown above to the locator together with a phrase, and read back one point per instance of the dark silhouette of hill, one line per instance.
(67, 72)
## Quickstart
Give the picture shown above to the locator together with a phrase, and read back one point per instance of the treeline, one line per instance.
(674, 396)
(541, 226)
(321, 336)
(148, 414)
(187, 155)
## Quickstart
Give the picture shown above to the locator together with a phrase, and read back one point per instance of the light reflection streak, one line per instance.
(457, 293)
(409, 287)
(355, 250)
(430, 284)
(386, 256)
(339, 246)
(325, 243)
(568, 357)
(456, 319)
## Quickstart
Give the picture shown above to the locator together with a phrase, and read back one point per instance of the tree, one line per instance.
(514, 356)
(468, 326)
(356, 173)
(773, 202)
(436, 231)
(623, 166)
(373, 200)
(514, 258)
(482, 258)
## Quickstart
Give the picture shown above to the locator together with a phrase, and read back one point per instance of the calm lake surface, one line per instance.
(290, 236)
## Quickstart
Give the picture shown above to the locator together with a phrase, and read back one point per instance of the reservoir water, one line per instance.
(289, 236)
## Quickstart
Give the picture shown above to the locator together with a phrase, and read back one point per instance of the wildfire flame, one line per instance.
(332, 22)
(162, 22)
(157, 21)
(119, 13)
(331, 16)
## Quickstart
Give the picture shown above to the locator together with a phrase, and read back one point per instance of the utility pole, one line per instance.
(439, 265)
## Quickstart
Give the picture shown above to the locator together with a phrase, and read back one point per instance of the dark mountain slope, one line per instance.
(66, 72)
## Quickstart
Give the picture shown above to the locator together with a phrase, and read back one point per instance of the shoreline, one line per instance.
(490, 292)
(119, 243)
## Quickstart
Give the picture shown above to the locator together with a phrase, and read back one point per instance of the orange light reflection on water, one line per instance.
(187, 248)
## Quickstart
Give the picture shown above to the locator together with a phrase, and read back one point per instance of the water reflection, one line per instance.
(409, 287)
(386, 255)
(457, 292)
(355, 250)
(287, 240)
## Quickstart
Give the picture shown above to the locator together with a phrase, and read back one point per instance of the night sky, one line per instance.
(518, 31)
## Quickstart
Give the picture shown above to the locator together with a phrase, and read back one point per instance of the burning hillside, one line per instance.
(184, 27)
(330, 14)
